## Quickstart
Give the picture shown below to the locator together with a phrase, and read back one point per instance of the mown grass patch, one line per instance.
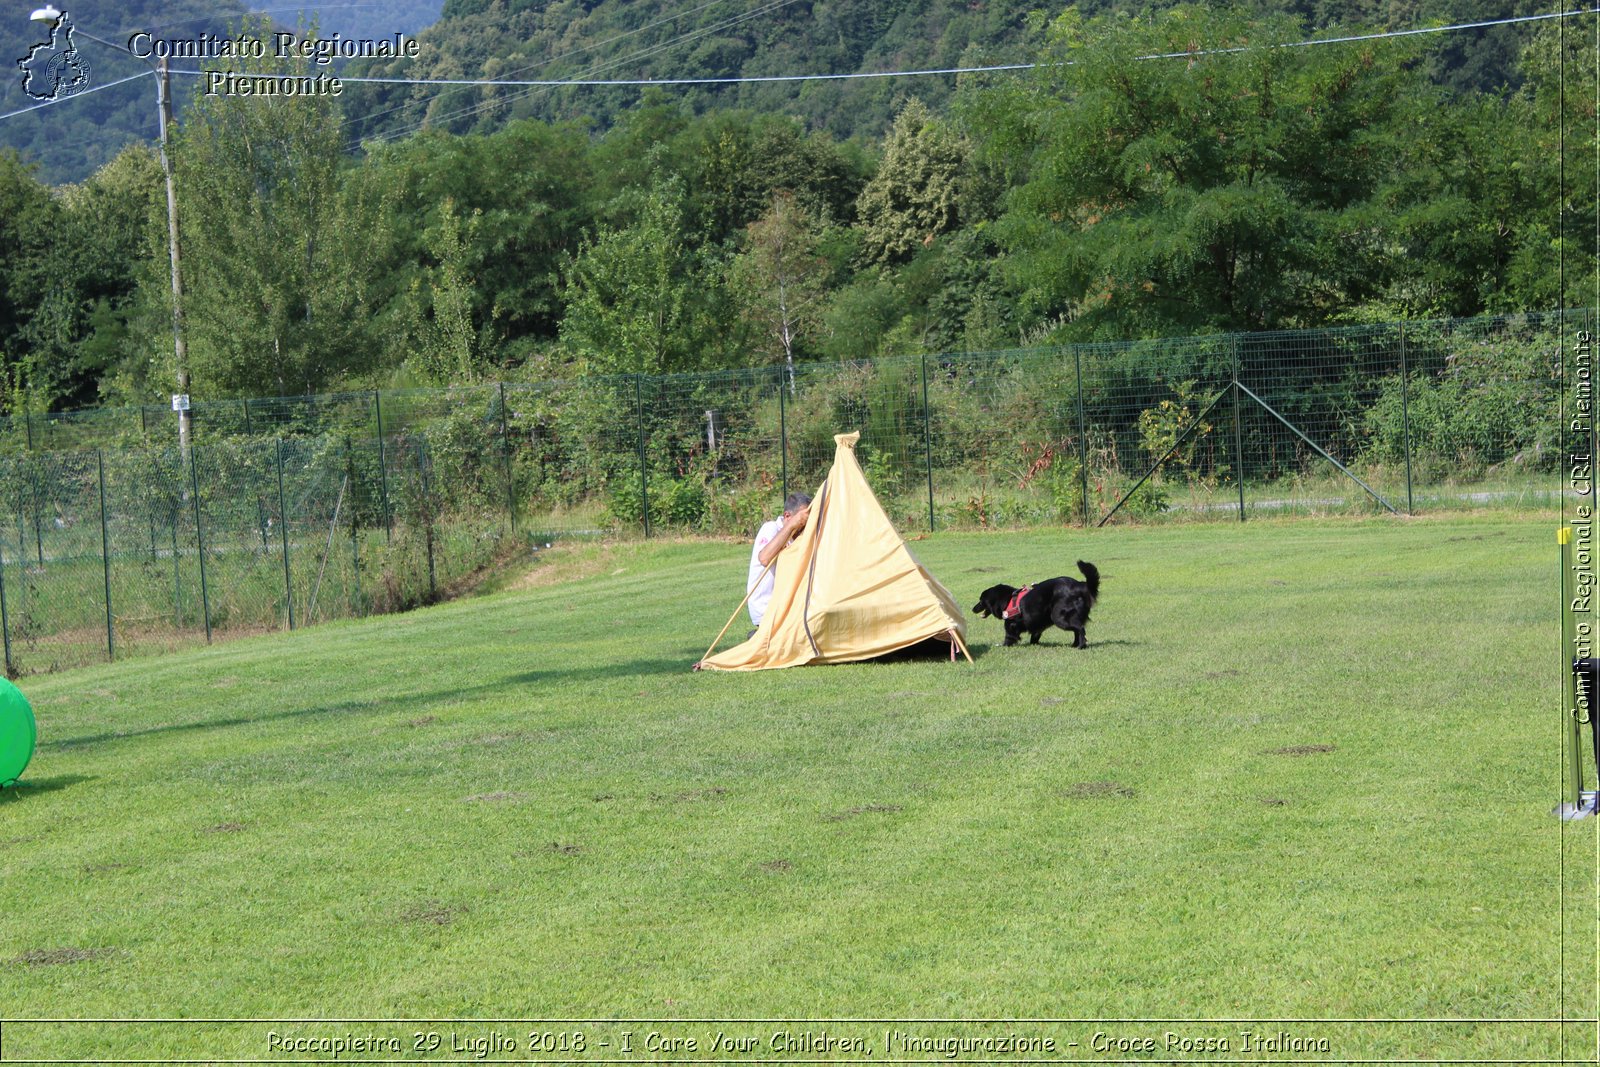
(1301, 771)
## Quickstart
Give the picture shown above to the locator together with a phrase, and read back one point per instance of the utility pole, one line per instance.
(164, 92)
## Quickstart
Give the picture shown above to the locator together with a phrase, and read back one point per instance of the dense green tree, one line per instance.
(35, 302)
(1222, 191)
(277, 250)
(443, 339)
(1563, 143)
(915, 195)
(641, 299)
(779, 278)
(528, 186)
(114, 226)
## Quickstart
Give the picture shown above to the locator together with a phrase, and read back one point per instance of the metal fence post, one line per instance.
(927, 438)
(38, 507)
(1083, 436)
(355, 540)
(5, 619)
(383, 467)
(783, 437)
(427, 511)
(1405, 414)
(283, 532)
(1238, 439)
(505, 455)
(199, 539)
(105, 551)
(177, 577)
(644, 476)
(27, 423)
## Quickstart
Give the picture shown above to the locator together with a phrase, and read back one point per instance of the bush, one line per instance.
(1490, 405)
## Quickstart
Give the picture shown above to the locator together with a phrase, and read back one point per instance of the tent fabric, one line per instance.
(847, 588)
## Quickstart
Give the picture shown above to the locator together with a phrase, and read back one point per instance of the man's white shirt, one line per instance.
(762, 591)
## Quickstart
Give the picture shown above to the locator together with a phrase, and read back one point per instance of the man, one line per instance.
(771, 539)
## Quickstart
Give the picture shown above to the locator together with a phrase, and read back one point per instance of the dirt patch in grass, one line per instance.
(432, 912)
(509, 552)
(1299, 750)
(566, 850)
(490, 740)
(55, 957)
(601, 798)
(104, 868)
(691, 795)
(499, 797)
(777, 866)
(1081, 790)
(426, 720)
(225, 828)
(983, 570)
(865, 809)
(1274, 802)
(558, 565)
(1050, 702)
(1229, 673)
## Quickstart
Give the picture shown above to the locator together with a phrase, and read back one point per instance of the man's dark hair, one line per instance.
(795, 501)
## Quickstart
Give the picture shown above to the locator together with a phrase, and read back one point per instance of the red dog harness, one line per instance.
(1014, 606)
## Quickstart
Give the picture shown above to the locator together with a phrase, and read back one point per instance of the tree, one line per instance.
(114, 230)
(1228, 190)
(1561, 115)
(444, 338)
(527, 186)
(915, 195)
(277, 251)
(34, 302)
(780, 277)
(640, 299)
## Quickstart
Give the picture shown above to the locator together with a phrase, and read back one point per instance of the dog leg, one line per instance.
(1079, 639)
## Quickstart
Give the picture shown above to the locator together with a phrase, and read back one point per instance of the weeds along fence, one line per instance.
(295, 510)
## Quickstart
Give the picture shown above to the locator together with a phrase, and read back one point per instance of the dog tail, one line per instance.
(1091, 576)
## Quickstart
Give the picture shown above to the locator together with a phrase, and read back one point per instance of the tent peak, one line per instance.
(847, 440)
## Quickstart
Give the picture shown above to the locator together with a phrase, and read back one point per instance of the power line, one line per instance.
(563, 55)
(602, 65)
(944, 71)
(591, 82)
(76, 95)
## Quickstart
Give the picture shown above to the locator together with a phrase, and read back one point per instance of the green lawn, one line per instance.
(1304, 771)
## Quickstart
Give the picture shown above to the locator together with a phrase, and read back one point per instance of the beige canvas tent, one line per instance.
(847, 588)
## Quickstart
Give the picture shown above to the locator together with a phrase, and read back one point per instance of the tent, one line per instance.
(847, 588)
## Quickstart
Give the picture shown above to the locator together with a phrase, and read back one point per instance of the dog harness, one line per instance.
(1014, 606)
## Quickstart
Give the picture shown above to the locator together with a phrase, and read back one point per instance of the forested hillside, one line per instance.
(71, 139)
(625, 39)
(1238, 186)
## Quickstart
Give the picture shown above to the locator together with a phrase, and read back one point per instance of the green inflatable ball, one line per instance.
(17, 733)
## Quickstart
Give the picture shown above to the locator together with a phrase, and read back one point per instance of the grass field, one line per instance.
(1304, 772)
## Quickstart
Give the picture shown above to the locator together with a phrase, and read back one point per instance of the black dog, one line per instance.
(1063, 602)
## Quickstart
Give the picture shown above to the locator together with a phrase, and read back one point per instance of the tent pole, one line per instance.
(747, 594)
(962, 645)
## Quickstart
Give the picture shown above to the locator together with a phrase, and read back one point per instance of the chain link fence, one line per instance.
(292, 511)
